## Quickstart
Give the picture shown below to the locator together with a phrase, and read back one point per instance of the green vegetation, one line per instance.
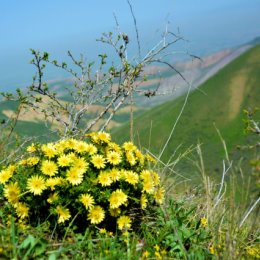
(218, 103)
(73, 190)
(194, 224)
(72, 199)
(71, 179)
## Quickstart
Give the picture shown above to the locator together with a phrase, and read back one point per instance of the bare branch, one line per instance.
(224, 172)
(136, 29)
(249, 212)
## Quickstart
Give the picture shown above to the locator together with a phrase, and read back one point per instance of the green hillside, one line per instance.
(218, 101)
(25, 128)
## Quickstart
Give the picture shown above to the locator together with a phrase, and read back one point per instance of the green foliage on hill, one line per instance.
(218, 103)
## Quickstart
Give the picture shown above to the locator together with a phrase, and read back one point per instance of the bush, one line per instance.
(82, 183)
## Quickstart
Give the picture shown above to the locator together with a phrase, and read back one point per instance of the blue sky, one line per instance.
(60, 25)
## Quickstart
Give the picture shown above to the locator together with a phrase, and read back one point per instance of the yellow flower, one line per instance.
(117, 198)
(64, 214)
(49, 168)
(5, 175)
(156, 178)
(124, 222)
(87, 200)
(102, 231)
(49, 150)
(36, 185)
(11, 168)
(64, 160)
(72, 156)
(115, 212)
(146, 175)
(253, 251)
(131, 177)
(145, 254)
(12, 192)
(148, 187)
(125, 234)
(23, 162)
(212, 249)
(61, 146)
(204, 221)
(32, 148)
(115, 147)
(159, 195)
(104, 178)
(74, 176)
(52, 182)
(53, 197)
(156, 247)
(32, 161)
(130, 158)
(98, 161)
(96, 215)
(115, 174)
(93, 136)
(71, 143)
(140, 156)
(114, 158)
(157, 255)
(22, 224)
(81, 147)
(129, 146)
(150, 158)
(80, 164)
(143, 201)
(104, 137)
(22, 210)
(91, 149)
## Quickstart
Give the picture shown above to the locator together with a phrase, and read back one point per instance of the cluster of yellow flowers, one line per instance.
(95, 177)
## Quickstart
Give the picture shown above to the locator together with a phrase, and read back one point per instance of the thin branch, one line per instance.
(16, 151)
(102, 113)
(166, 166)
(225, 171)
(176, 122)
(131, 117)
(136, 29)
(114, 110)
(249, 212)
(223, 143)
(172, 67)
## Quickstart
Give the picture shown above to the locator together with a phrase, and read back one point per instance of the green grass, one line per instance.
(207, 107)
(173, 231)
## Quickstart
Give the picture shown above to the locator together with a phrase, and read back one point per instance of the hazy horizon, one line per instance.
(58, 26)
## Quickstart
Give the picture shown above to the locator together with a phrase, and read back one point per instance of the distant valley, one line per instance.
(223, 84)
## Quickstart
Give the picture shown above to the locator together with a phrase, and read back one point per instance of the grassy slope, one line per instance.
(25, 128)
(221, 101)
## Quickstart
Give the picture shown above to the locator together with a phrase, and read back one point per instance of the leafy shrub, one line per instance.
(178, 233)
(84, 183)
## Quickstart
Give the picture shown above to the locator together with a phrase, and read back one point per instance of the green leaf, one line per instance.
(45, 56)
(53, 256)
(40, 247)
(30, 241)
